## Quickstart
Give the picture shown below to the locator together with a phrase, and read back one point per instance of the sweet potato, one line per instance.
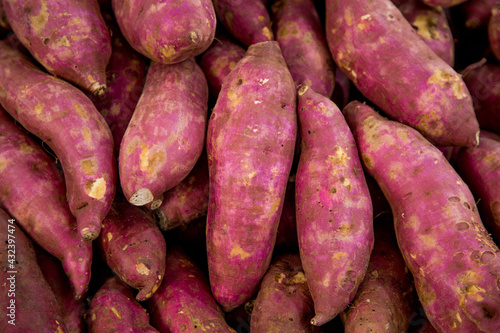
(494, 30)
(33, 191)
(168, 31)
(134, 248)
(392, 66)
(342, 89)
(26, 298)
(455, 263)
(477, 12)
(69, 38)
(443, 3)
(113, 309)
(247, 21)
(286, 239)
(299, 32)
(480, 169)
(166, 134)
(333, 207)
(183, 303)
(4, 22)
(283, 304)
(250, 145)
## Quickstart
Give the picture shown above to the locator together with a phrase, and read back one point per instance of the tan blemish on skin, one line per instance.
(348, 17)
(80, 111)
(326, 281)
(263, 81)
(94, 317)
(86, 135)
(340, 156)
(279, 278)
(238, 251)
(39, 109)
(142, 269)
(339, 255)
(167, 51)
(266, 32)
(298, 278)
(63, 42)
(109, 236)
(233, 97)
(459, 318)
(261, 18)
(446, 79)
(426, 27)
(125, 247)
(144, 157)
(115, 311)
(26, 148)
(38, 22)
(345, 229)
(96, 189)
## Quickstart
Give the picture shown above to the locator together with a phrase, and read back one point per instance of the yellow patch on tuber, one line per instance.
(39, 21)
(96, 189)
(238, 251)
(142, 269)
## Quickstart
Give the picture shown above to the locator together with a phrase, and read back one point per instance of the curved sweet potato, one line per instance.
(455, 263)
(250, 145)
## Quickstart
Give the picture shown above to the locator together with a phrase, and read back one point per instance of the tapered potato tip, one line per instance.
(98, 89)
(141, 197)
(301, 90)
(88, 227)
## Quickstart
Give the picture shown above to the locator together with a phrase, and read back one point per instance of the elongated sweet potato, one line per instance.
(168, 31)
(69, 38)
(333, 207)
(477, 12)
(26, 298)
(247, 21)
(299, 32)
(113, 309)
(284, 304)
(494, 30)
(67, 121)
(166, 134)
(134, 248)
(250, 146)
(33, 191)
(392, 66)
(183, 303)
(455, 263)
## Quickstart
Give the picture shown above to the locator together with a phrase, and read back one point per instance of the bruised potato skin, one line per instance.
(455, 263)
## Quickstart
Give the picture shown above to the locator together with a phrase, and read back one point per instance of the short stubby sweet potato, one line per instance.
(69, 38)
(67, 121)
(392, 66)
(26, 298)
(333, 207)
(166, 134)
(168, 31)
(33, 191)
(494, 30)
(134, 248)
(113, 309)
(184, 303)
(480, 168)
(250, 145)
(247, 21)
(298, 30)
(455, 263)
(283, 304)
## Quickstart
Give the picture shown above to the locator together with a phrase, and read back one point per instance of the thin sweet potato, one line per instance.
(250, 145)
(33, 191)
(69, 38)
(392, 66)
(67, 121)
(455, 263)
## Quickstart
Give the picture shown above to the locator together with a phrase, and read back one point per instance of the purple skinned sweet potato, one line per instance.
(250, 145)
(299, 32)
(166, 134)
(67, 121)
(247, 21)
(477, 12)
(134, 248)
(480, 169)
(26, 298)
(442, 3)
(283, 304)
(392, 66)
(114, 309)
(69, 38)
(168, 31)
(455, 263)
(184, 303)
(218, 60)
(432, 25)
(33, 191)
(342, 90)
(494, 30)
(333, 207)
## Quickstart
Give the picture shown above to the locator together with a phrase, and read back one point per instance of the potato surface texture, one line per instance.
(250, 145)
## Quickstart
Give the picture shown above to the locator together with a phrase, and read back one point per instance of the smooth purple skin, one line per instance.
(333, 207)
(220, 59)
(250, 145)
(69, 38)
(480, 169)
(442, 3)
(184, 303)
(166, 134)
(168, 31)
(494, 31)
(35, 303)
(114, 309)
(299, 32)
(247, 21)
(392, 66)
(32, 190)
(455, 263)
(478, 12)
(483, 82)
(283, 304)
(134, 248)
(67, 121)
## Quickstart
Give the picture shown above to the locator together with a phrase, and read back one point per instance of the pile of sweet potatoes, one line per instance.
(250, 166)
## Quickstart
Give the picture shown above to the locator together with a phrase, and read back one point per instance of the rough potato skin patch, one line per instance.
(455, 263)
(250, 146)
